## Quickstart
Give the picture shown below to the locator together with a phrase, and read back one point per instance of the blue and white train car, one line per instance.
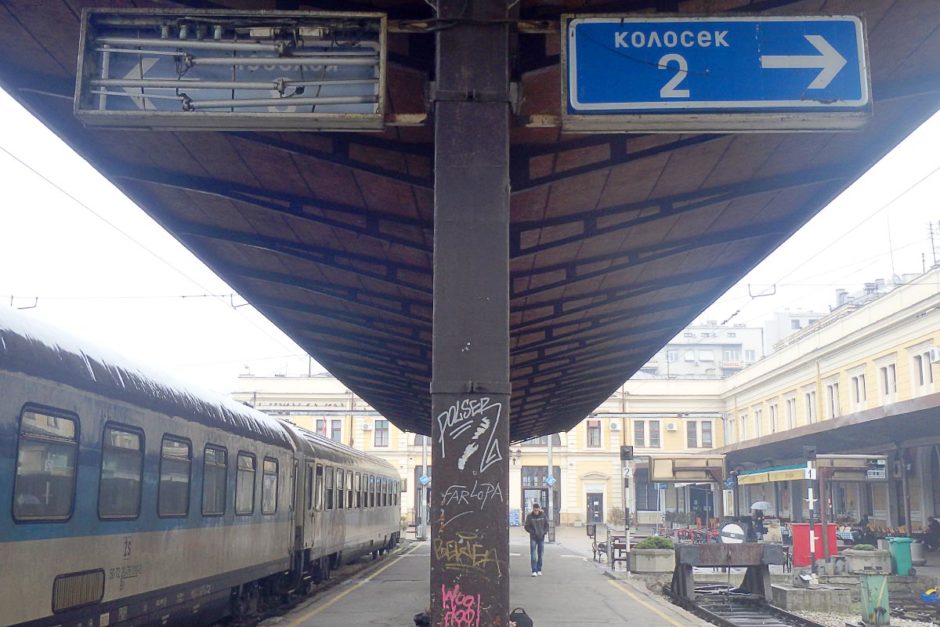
(133, 499)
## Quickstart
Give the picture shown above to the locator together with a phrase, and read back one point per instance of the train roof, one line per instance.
(35, 348)
(325, 448)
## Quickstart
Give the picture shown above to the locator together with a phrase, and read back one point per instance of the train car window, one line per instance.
(309, 486)
(318, 489)
(349, 489)
(384, 491)
(358, 489)
(340, 497)
(44, 486)
(122, 465)
(365, 490)
(395, 493)
(245, 484)
(176, 458)
(371, 490)
(214, 480)
(329, 487)
(269, 486)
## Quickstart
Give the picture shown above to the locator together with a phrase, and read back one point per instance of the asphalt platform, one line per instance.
(573, 590)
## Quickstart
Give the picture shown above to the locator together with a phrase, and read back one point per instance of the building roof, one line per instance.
(617, 241)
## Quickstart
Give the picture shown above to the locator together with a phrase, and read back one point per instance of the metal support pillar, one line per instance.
(470, 359)
(551, 492)
(423, 492)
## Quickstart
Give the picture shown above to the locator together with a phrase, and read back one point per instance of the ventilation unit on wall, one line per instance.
(367, 426)
(614, 426)
(670, 426)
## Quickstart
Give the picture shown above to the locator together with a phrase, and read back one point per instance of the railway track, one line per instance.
(724, 606)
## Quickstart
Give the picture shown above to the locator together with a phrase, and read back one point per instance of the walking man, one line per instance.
(537, 525)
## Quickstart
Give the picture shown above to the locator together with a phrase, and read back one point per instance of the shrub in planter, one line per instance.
(655, 542)
(864, 558)
(653, 555)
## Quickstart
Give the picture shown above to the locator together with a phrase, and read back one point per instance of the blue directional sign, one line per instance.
(550, 480)
(683, 66)
(424, 480)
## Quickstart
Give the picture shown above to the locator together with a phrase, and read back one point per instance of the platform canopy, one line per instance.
(617, 240)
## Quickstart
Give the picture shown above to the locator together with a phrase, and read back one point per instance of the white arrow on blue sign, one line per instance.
(550, 480)
(701, 66)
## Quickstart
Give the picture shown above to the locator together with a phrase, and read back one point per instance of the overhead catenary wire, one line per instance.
(838, 237)
(132, 239)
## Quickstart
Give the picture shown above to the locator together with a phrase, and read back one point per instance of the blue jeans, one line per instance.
(536, 549)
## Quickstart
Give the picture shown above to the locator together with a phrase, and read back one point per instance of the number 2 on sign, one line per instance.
(669, 89)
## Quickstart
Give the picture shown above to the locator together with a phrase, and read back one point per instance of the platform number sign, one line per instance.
(752, 73)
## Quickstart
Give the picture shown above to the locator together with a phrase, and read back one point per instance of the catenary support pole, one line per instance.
(423, 492)
(470, 358)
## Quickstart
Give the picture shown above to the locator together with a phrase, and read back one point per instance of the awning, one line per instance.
(776, 473)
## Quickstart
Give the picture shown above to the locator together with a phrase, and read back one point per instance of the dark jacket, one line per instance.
(537, 525)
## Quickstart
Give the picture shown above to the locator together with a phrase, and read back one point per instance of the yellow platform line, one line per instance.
(640, 600)
(316, 610)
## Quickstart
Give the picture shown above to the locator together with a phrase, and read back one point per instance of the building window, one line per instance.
(381, 433)
(421, 440)
(832, 400)
(647, 496)
(923, 373)
(750, 355)
(44, 486)
(691, 434)
(122, 462)
(639, 433)
(732, 426)
(542, 441)
(175, 465)
(889, 382)
(214, 478)
(773, 417)
(654, 434)
(672, 356)
(707, 434)
(245, 484)
(858, 390)
(594, 433)
(321, 426)
(743, 427)
(791, 413)
(758, 419)
(336, 430)
(795, 325)
(810, 407)
(689, 356)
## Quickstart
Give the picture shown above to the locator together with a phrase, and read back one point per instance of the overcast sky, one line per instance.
(92, 262)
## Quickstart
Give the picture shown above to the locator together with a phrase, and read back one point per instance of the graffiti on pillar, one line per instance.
(481, 416)
(460, 609)
(466, 554)
(479, 494)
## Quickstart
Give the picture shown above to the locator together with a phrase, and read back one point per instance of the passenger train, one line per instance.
(135, 500)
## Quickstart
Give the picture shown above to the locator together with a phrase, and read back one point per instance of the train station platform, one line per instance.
(572, 591)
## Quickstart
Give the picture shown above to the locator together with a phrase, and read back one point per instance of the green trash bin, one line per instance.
(900, 549)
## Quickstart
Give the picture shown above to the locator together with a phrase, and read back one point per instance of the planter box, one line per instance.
(867, 561)
(652, 560)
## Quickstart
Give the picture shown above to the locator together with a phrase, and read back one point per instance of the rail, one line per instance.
(725, 606)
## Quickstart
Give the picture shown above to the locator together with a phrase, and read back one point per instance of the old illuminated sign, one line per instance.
(231, 70)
